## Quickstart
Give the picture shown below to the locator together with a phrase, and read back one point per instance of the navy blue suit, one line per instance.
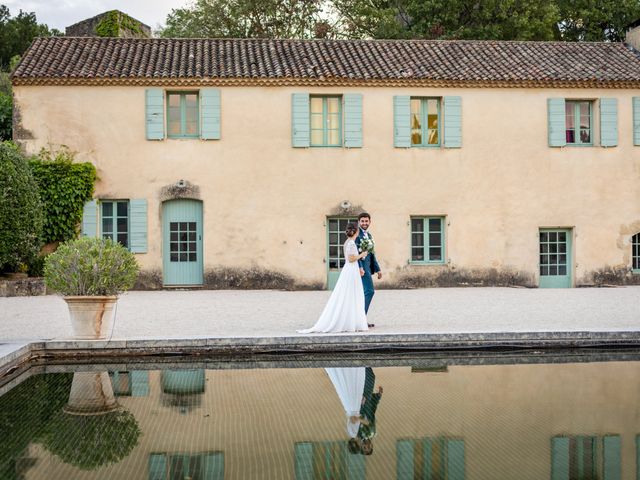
(370, 266)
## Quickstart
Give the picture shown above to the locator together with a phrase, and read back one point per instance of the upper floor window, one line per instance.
(326, 121)
(115, 221)
(182, 115)
(635, 253)
(579, 122)
(425, 122)
(427, 240)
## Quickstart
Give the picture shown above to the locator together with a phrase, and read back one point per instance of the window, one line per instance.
(182, 115)
(326, 121)
(635, 253)
(337, 237)
(579, 122)
(115, 220)
(427, 240)
(431, 457)
(323, 460)
(586, 457)
(182, 242)
(425, 122)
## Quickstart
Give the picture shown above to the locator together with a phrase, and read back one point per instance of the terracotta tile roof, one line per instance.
(67, 60)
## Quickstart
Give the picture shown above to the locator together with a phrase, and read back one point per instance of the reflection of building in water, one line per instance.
(479, 422)
(182, 388)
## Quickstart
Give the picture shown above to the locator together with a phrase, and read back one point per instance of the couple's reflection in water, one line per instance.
(356, 389)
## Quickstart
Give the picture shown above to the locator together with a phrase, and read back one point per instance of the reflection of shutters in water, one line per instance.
(430, 458)
(134, 383)
(585, 457)
(200, 466)
(321, 460)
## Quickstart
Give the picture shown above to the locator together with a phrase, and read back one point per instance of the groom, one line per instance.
(369, 264)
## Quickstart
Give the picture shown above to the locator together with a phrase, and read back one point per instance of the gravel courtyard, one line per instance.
(265, 313)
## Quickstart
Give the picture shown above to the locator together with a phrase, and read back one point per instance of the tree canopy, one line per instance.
(17, 33)
(570, 20)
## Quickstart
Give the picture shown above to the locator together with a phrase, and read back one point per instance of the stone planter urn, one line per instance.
(91, 316)
(89, 273)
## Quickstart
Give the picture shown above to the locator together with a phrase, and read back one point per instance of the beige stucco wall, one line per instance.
(265, 203)
(506, 416)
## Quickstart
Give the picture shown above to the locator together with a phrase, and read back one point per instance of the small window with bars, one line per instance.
(427, 240)
(115, 220)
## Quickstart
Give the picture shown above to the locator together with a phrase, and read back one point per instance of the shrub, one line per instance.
(90, 441)
(64, 188)
(90, 266)
(20, 210)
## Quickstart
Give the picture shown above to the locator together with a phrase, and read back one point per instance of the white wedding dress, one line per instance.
(344, 311)
(349, 385)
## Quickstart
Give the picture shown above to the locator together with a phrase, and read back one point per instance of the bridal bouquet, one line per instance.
(366, 245)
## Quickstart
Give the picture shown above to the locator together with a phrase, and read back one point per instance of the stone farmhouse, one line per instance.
(242, 160)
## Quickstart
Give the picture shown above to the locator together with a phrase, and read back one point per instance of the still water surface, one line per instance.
(357, 419)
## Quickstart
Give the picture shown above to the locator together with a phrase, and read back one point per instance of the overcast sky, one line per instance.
(62, 13)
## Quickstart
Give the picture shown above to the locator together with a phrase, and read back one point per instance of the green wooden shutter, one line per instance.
(157, 466)
(560, 458)
(210, 111)
(304, 461)
(611, 468)
(356, 467)
(139, 383)
(636, 120)
(402, 121)
(404, 459)
(300, 128)
(138, 225)
(608, 122)
(213, 466)
(353, 120)
(556, 122)
(455, 459)
(90, 219)
(154, 104)
(452, 122)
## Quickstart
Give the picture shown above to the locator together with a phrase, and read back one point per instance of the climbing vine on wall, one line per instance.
(65, 186)
(113, 22)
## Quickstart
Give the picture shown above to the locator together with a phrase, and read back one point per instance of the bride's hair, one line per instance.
(350, 229)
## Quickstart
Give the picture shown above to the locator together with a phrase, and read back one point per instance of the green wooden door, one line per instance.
(556, 262)
(335, 240)
(182, 242)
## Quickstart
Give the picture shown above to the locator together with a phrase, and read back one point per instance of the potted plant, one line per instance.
(90, 273)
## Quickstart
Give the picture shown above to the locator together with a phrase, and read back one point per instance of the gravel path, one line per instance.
(181, 314)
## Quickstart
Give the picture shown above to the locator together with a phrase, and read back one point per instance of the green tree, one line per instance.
(596, 20)
(20, 210)
(247, 19)
(449, 19)
(6, 112)
(17, 33)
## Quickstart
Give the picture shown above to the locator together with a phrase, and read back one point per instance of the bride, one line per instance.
(344, 311)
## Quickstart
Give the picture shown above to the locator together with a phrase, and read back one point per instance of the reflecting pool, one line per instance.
(357, 418)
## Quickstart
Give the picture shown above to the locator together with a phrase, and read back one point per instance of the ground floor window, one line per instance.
(427, 240)
(115, 220)
(635, 253)
(553, 253)
(183, 247)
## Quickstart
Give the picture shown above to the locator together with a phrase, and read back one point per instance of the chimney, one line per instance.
(113, 23)
(632, 36)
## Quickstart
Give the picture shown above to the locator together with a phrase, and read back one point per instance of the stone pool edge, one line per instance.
(19, 360)
(320, 343)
